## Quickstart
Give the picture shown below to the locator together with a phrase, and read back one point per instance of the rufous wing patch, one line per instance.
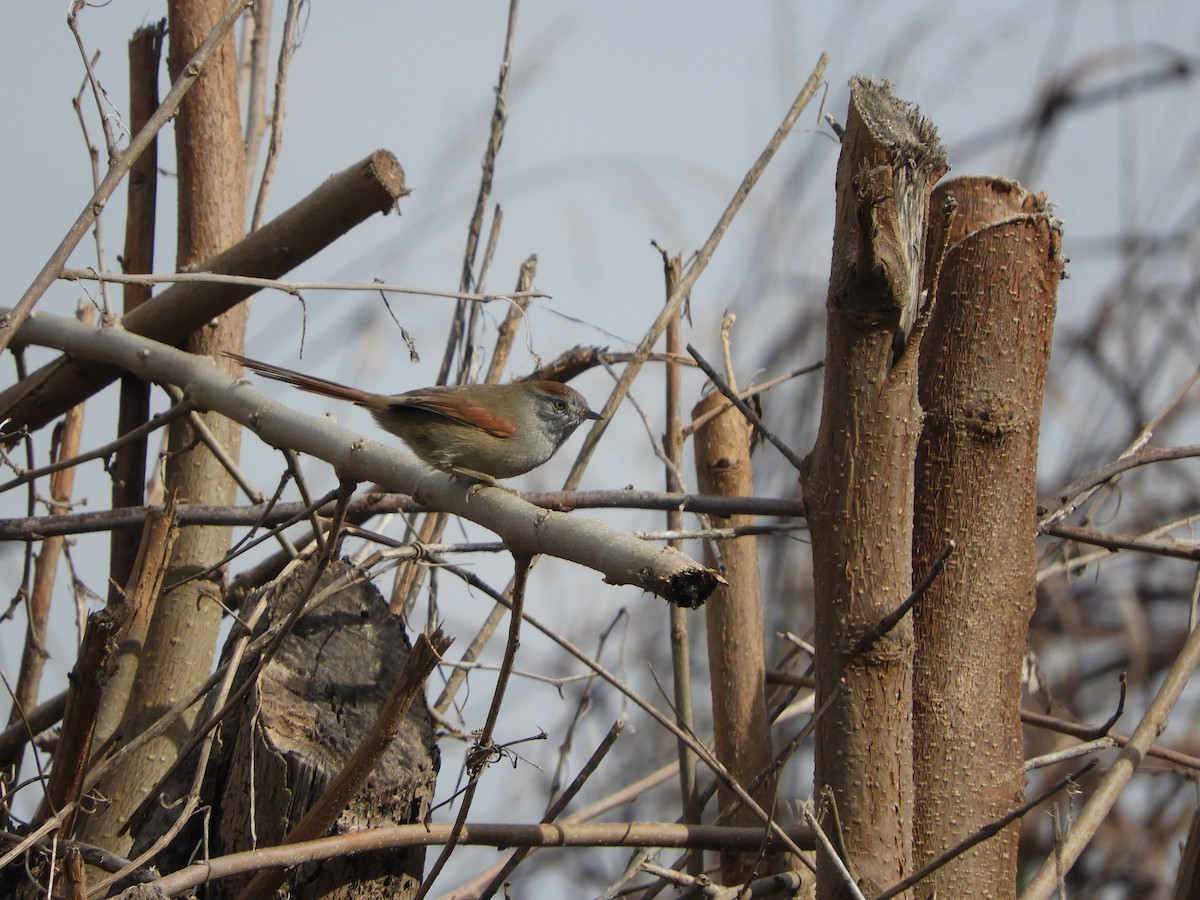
(466, 412)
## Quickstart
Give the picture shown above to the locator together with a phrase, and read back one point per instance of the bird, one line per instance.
(484, 432)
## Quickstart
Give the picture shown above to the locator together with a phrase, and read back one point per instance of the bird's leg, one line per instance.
(481, 480)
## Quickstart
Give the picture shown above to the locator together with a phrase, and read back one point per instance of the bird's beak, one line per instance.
(592, 414)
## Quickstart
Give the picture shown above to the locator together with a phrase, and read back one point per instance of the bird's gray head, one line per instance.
(562, 409)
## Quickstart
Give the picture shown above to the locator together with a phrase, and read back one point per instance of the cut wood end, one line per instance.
(898, 124)
(386, 169)
(688, 588)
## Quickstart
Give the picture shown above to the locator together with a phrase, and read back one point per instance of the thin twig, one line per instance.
(495, 136)
(163, 418)
(1149, 541)
(286, 49)
(1089, 732)
(77, 103)
(291, 287)
(1111, 540)
(217, 449)
(826, 846)
(1071, 496)
(582, 706)
(99, 96)
(296, 472)
(481, 755)
(458, 677)
(984, 833)
(559, 804)
(703, 752)
(469, 354)
(744, 408)
(249, 542)
(1080, 491)
(1060, 756)
(892, 619)
(777, 764)
(507, 332)
(252, 82)
(749, 392)
(660, 451)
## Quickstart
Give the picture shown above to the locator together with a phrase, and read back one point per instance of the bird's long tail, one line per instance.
(304, 382)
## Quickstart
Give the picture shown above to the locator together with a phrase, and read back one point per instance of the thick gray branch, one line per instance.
(620, 557)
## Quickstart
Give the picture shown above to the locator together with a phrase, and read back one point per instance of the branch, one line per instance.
(614, 834)
(1190, 764)
(292, 287)
(1070, 497)
(34, 528)
(988, 831)
(1113, 541)
(484, 751)
(622, 558)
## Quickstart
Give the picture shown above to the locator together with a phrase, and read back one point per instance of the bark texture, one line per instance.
(736, 655)
(982, 373)
(282, 745)
(858, 486)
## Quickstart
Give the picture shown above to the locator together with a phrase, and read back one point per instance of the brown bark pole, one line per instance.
(983, 367)
(182, 633)
(734, 620)
(79, 721)
(691, 809)
(858, 487)
(129, 462)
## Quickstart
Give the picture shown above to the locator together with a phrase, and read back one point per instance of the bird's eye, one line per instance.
(560, 405)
